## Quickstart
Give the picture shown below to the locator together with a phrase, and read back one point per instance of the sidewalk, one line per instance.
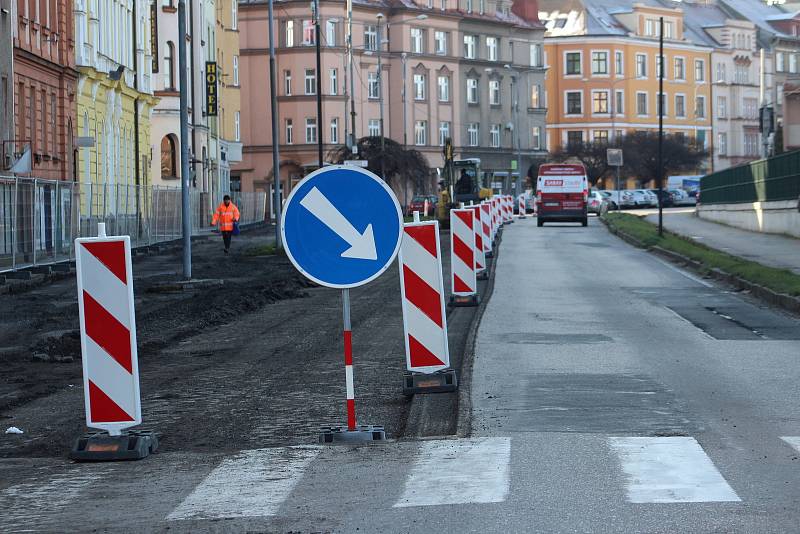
(768, 249)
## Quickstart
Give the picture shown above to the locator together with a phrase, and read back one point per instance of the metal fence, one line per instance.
(40, 219)
(776, 178)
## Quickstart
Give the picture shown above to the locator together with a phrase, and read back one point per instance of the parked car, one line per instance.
(596, 200)
(418, 204)
(620, 199)
(667, 200)
(649, 199)
(682, 198)
(608, 197)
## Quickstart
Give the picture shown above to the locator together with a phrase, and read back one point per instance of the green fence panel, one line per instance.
(772, 179)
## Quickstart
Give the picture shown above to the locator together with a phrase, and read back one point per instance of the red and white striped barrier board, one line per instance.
(486, 226)
(521, 207)
(509, 208)
(108, 333)
(480, 255)
(462, 244)
(422, 289)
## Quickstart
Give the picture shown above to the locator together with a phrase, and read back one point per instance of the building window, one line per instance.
(699, 70)
(236, 70)
(669, 30)
(792, 63)
(574, 102)
(444, 88)
(600, 136)
(700, 137)
(472, 134)
(416, 41)
(722, 107)
(722, 144)
(700, 107)
(234, 15)
(374, 127)
(535, 96)
(469, 46)
(780, 66)
(659, 71)
(309, 33)
(536, 137)
(720, 78)
(334, 130)
(440, 40)
(599, 101)
(680, 106)
(650, 27)
(599, 62)
(619, 103)
(289, 33)
(419, 86)
(641, 104)
(372, 85)
(421, 133)
(494, 92)
(619, 66)
(169, 157)
(311, 82)
(573, 63)
(574, 137)
(370, 37)
(444, 132)
(536, 55)
(494, 136)
(333, 75)
(330, 33)
(680, 68)
(287, 82)
(751, 144)
(289, 132)
(472, 91)
(491, 48)
(311, 131)
(237, 132)
(169, 63)
(469, 6)
(641, 66)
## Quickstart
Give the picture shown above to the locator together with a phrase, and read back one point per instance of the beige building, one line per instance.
(448, 72)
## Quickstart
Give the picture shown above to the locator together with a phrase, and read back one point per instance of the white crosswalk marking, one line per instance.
(459, 472)
(251, 484)
(669, 470)
(793, 441)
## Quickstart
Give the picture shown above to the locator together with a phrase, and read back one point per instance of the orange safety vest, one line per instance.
(225, 215)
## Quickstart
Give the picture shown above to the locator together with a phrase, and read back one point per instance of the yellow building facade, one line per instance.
(602, 85)
(229, 90)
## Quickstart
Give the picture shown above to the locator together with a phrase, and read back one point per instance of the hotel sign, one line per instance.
(154, 36)
(211, 89)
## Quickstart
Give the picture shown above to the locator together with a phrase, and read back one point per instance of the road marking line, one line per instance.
(458, 472)
(670, 470)
(251, 484)
(793, 441)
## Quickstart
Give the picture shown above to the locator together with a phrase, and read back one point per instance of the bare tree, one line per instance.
(399, 164)
(679, 154)
(592, 154)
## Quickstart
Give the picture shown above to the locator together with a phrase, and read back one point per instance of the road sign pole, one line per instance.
(348, 361)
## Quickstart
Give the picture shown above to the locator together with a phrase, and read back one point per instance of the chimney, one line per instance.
(527, 10)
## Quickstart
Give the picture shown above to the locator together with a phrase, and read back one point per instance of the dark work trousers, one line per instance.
(226, 238)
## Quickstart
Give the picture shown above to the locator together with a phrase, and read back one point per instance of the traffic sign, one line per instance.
(342, 226)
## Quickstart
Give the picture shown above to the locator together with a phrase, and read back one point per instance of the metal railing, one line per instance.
(40, 219)
(773, 179)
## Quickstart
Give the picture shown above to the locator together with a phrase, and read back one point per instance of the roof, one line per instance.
(759, 13)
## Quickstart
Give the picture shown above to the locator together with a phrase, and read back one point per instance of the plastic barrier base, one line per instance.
(467, 300)
(490, 254)
(101, 447)
(483, 275)
(362, 433)
(443, 381)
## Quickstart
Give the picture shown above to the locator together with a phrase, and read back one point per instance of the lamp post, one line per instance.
(273, 97)
(319, 81)
(516, 80)
(379, 16)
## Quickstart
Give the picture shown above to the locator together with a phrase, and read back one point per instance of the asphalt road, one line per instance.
(611, 393)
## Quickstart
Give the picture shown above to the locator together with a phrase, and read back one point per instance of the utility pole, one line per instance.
(184, 113)
(319, 82)
(380, 92)
(661, 102)
(353, 138)
(519, 134)
(763, 107)
(276, 160)
(404, 58)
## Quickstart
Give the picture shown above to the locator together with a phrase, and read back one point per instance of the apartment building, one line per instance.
(451, 69)
(6, 81)
(114, 96)
(602, 78)
(44, 79)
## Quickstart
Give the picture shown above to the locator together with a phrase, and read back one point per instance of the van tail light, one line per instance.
(585, 195)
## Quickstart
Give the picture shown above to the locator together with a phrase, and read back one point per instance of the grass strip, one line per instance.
(260, 250)
(778, 280)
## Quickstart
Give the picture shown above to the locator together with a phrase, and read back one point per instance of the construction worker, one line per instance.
(227, 215)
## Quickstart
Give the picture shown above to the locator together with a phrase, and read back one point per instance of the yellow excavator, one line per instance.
(462, 182)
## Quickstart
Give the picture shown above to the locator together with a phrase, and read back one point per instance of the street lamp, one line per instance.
(515, 80)
(379, 16)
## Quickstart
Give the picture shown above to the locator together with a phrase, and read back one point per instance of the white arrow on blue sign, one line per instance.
(342, 226)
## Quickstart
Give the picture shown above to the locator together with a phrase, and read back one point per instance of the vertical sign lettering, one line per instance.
(154, 36)
(211, 88)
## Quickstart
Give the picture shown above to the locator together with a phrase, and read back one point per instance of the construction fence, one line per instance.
(40, 219)
(772, 179)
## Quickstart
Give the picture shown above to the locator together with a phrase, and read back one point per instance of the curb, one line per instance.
(781, 300)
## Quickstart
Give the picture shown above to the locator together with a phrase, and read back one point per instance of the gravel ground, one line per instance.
(255, 362)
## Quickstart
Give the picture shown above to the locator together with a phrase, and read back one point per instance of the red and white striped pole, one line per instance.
(521, 206)
(486, 226)
(348, 361)
(464, 284)
(480, 253)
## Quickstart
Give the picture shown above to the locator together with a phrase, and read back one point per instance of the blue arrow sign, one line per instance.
(342, 226)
